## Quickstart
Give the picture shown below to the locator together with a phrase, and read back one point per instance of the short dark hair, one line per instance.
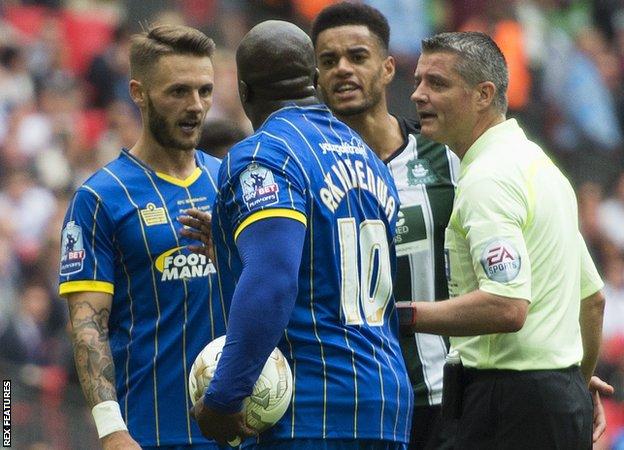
(346, 13)
(147, 47)
(480, 59)
(218, 135)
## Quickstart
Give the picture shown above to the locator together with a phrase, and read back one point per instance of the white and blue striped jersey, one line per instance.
(350, 381)
(120, 237)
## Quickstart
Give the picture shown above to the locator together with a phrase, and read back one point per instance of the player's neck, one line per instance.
(379, 129)
(261, 109)
(176, 163)
(483, 124)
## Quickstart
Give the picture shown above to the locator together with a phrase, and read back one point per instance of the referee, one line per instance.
(519, 273)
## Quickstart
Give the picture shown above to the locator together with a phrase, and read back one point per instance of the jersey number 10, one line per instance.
(357, 283)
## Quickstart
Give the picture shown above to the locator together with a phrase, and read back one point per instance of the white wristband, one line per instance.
(107, 416)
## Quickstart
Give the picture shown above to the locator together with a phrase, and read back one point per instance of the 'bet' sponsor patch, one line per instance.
(259, 186)
(72, 249)
(500, 261)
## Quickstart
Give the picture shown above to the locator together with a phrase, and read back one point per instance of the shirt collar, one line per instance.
(483, 144)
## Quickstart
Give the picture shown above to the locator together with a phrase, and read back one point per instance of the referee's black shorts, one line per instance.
(535, 409)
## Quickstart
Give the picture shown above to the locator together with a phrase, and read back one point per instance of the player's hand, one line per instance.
(199, 225)
(597, 387)
(223, 428)
(119, 440)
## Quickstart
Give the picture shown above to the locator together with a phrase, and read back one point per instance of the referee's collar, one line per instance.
(485, 141)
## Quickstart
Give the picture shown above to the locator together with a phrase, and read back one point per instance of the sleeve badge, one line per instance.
(72, 249)
(501, 261)
(259, 186)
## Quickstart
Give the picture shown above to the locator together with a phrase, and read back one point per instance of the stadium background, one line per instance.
(65, 111)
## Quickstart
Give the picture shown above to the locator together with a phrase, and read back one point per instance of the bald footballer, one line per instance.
(303, 225)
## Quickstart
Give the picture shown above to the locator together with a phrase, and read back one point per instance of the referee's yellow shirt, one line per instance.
(514, 232)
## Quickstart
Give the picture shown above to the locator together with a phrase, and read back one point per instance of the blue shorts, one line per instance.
(328, 444)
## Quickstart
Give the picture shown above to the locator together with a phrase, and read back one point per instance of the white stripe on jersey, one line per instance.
(157, 300)
(131, 306)
(374, 353)
(223, 308)
(453, 161)
(292, 153)
(421, 256)
(312, 301)
(130, 331)
(95, 213)
(355, 387)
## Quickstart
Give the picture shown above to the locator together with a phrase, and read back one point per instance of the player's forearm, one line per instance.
(92, 354)
(472, 314)
(591, 315)
(251, 341)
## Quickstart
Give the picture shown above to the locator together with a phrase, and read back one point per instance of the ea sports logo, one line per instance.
(500, 261)
(498, 255)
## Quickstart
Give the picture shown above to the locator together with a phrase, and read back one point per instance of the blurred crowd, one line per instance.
(65, 111)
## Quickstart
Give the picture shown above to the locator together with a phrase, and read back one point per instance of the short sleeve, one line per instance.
(266, 182)
(492, 213)
(87, 258)
(590, 279)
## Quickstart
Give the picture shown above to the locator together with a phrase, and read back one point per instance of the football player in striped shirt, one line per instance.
(351, 43)
(142, 306)
(303, 226)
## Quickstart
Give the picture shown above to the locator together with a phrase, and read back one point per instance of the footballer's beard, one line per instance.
(162, 130)
(372, 95)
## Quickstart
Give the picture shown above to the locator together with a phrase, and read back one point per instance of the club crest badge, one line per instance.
(259, 186)
(419, 171)
(72, 249)
(153, 215)
(501, 261)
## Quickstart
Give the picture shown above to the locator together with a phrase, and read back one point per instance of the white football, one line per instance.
(271, 394)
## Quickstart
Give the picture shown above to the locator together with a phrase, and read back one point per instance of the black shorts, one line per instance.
(535, 409)
(430, 431)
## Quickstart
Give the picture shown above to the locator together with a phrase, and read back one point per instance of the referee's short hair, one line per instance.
(479, 60)
(157, 41)
(346, 13)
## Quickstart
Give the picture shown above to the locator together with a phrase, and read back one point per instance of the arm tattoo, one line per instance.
(94, 361)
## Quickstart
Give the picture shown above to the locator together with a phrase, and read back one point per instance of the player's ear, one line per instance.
(137, 93)
(389, 69)
(317, 74)
(243, 91)
(485, 93)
